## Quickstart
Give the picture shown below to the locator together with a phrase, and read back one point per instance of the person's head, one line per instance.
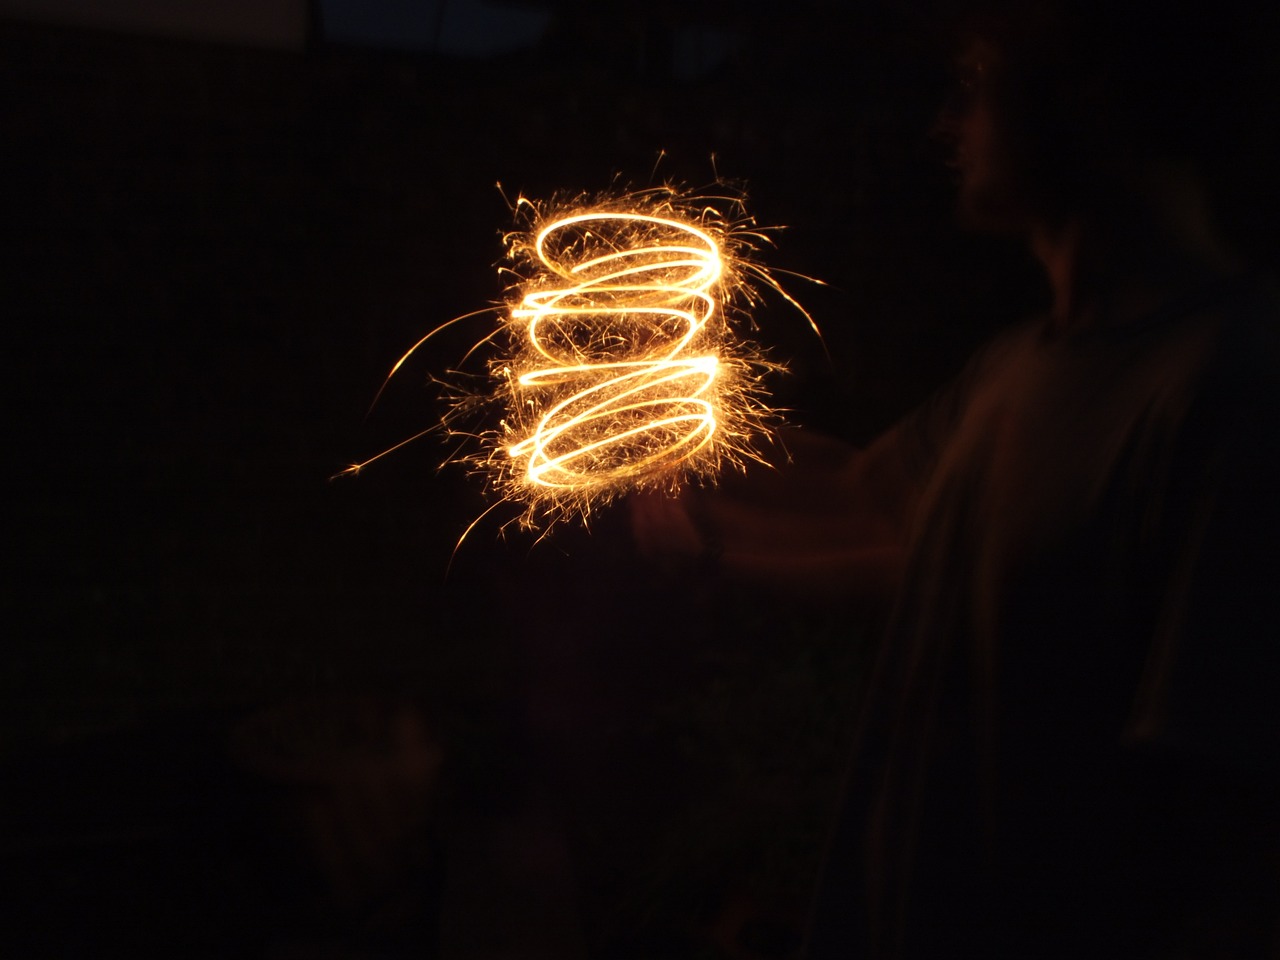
(1065, 105)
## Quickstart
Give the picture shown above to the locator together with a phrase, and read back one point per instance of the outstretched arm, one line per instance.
(828, 521)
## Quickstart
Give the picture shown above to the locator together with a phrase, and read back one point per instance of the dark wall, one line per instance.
(213, 255)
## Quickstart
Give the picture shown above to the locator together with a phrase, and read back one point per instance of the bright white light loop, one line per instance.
(643, 405)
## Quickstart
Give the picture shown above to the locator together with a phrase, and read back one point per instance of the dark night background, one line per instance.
(224, 673)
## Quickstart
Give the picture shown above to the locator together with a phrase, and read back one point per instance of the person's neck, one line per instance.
(1154, 245)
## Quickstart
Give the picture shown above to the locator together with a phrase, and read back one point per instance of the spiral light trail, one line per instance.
(633, 394)
(618, 366)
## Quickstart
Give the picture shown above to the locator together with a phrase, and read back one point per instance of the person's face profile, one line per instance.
(969, 122)
(990, 179)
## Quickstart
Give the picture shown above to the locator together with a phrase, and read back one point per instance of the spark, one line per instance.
(622, 363)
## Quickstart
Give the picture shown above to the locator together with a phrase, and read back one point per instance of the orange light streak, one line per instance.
(642, 401)
(618, 364)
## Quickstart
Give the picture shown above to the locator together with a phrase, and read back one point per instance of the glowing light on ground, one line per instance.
(621, 364)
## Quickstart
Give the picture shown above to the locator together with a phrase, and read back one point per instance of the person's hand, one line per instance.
(664, 528)
(808, 525)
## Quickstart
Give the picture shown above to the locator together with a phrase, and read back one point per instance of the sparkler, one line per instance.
(620, 365)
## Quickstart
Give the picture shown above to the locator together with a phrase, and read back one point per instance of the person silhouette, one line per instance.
(1071, 739)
